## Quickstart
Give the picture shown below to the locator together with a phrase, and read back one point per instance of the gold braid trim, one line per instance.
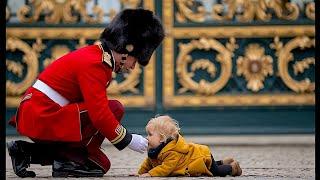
(121, 131)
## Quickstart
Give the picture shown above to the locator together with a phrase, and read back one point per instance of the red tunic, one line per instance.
(81, 77)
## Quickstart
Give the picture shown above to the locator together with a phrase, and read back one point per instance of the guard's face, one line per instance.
(128, 66)
(154, 138)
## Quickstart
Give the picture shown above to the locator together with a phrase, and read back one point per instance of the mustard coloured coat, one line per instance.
(179, 158)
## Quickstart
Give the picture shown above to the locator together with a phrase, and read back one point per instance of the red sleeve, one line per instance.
(93, 78)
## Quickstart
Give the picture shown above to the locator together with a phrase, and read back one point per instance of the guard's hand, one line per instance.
(138, 143)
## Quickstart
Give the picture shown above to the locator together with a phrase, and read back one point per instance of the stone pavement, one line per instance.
(261, 157)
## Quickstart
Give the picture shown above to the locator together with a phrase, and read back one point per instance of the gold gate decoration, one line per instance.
(224, 58)
(58, 11)
(30, 57)
(254, 65)
(285, 56)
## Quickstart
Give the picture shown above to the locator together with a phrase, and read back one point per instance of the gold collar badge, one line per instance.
(106, 57)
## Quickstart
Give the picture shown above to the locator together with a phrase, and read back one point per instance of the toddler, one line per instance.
(170, 155)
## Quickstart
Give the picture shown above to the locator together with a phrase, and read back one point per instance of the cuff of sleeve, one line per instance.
(124, 142)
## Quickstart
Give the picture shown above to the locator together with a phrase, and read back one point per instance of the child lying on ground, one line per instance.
(170, 155)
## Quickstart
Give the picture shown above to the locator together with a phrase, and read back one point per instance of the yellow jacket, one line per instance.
(179, 158)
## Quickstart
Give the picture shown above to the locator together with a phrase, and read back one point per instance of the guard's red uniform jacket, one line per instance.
(81, 77)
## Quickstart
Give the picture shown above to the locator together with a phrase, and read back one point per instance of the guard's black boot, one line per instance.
(69, 168)
(20, 159)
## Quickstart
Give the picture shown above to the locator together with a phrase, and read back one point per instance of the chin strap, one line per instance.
(129, 48)
(122, 61)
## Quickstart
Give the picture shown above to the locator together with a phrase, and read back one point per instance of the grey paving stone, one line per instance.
(257, 162)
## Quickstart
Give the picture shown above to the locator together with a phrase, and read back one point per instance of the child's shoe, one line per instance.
(236, 170)
(227, 160)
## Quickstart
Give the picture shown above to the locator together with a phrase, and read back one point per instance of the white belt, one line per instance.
(51, 93)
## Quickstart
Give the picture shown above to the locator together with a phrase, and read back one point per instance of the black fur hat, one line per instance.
(136, 32)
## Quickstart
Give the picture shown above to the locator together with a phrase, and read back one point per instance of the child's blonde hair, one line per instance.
(166, 126)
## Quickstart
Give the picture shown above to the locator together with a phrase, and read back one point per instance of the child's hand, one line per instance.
(145, 175)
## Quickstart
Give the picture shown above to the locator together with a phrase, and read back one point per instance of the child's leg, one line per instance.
(220, 162)
(220, 170)
(224, 170)
(226, 160)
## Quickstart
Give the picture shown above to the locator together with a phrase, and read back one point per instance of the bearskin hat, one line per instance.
(138, 28)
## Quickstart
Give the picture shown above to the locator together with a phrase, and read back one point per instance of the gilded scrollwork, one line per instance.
(185, 11)
(284, 10)
(46, 10)
(112, 13)
(255, 66)
(253, 8)
(310, 10)
(80, 6)
(131, 3)
(30, 58)
(82, 43)
(56, 11)
(284, 54)
(204, 87)
(242, 10)
(246, 10)
(171, 98)
(204, 64)
(305, 63)
(15, 67)
(129, 84)
(56, 52)
(38, 46)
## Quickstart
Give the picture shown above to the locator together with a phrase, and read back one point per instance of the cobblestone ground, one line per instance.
(257, 162)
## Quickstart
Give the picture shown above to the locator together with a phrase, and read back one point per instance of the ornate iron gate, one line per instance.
(225, 67)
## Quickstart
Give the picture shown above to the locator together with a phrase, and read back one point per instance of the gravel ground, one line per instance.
(287, 161)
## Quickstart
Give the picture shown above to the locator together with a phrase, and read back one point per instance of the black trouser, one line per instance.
(45, 152)
(218, 169)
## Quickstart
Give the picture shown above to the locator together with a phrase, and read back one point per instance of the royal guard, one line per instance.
(67, 113)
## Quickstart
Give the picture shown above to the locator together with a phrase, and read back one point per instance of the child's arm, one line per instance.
(168, 165)
(145, 166)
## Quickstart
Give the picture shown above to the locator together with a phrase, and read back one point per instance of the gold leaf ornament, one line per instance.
(283, 9)
(56, 11)
(243, 10)
(185, 12)
(129, 84)
(285, 55)
(310, 10)
(14, 67)
(305, 63)
(130, 3)
(248, 10)
(255, 66)
(56, 52)
(203, 87)
(15, 90)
